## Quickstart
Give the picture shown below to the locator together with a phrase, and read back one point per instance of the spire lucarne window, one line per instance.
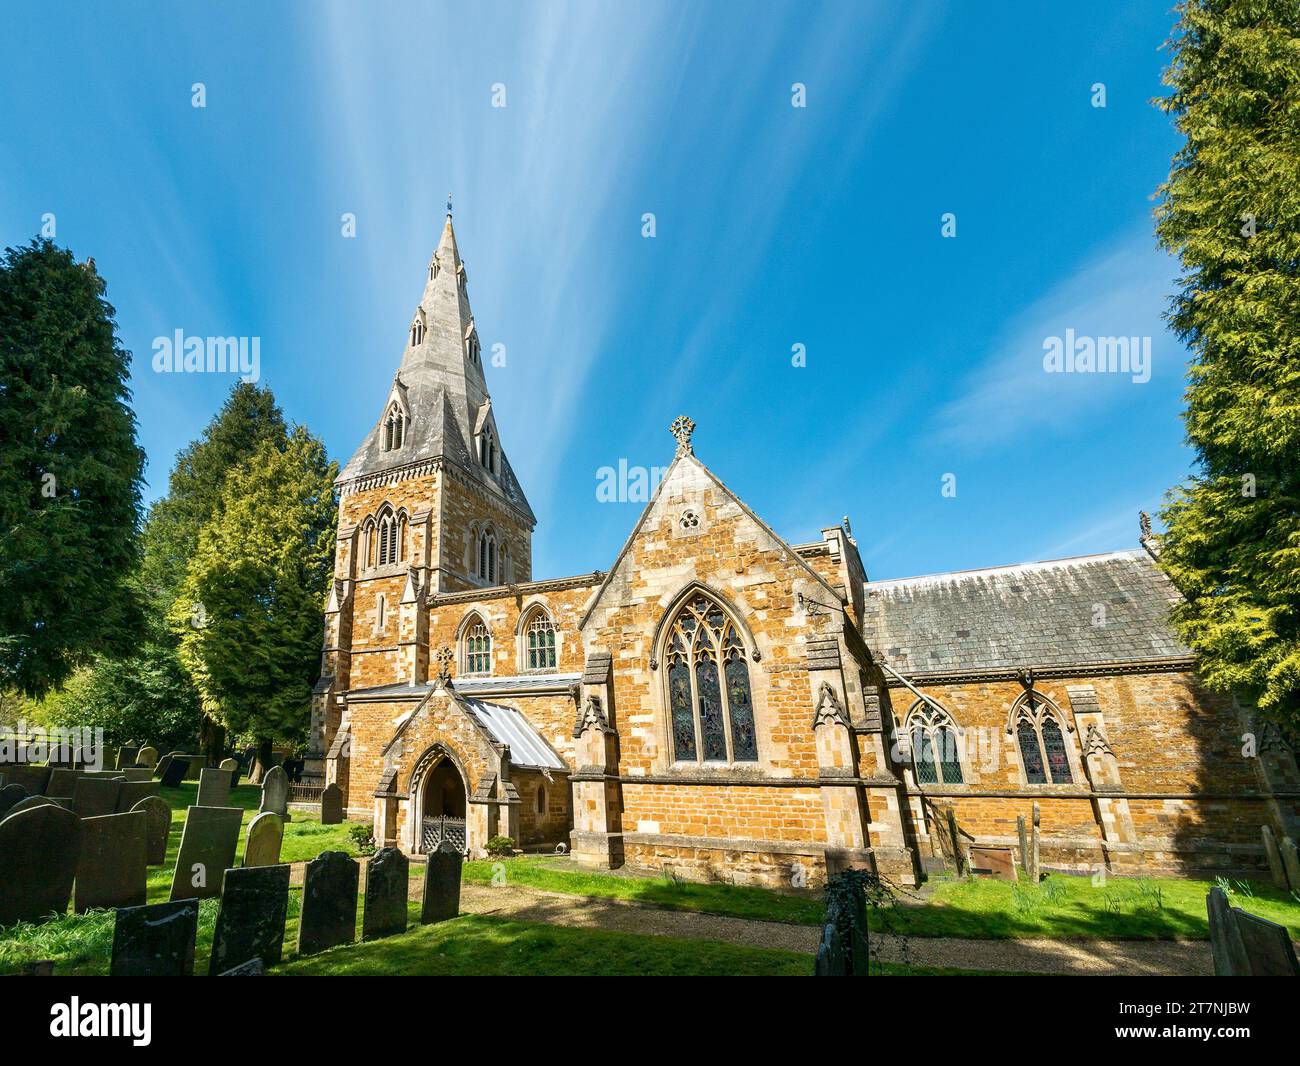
(709, 697)
(394, 428)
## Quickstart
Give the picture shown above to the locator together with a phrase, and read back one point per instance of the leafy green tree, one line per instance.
(249, 419)
(249, 609)
(1231, 211)
(70, 471)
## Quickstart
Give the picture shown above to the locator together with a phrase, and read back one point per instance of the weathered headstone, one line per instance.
(387, 880)
(1275, 868)
(62, 781)
(161, 767)
(113, 868)
(1291, 863)
(331, 805)
(441, 884)
(147, 756)
(33, 778)
(197, 764)
(158, 827)
(230, 765)
(10, 795)
(1228, 951)
(275, 792)
(1268, 946)
(214, 788)
(208, 844)
(95, 796)
(329, 903)
(39, 849)
(263, 839)
(125, 758)
(155, 940)
(26, 805)
(250, 924)
(138, 773)
(175, 771)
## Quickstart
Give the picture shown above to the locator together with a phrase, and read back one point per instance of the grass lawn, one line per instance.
(738, 901)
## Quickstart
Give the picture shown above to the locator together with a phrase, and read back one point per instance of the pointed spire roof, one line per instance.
(439, 389)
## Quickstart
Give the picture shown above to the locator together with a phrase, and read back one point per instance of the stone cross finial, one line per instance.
(444, 655)
(1144, 524)
(682, 428)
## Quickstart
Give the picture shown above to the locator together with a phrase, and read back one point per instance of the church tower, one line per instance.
(428, 504)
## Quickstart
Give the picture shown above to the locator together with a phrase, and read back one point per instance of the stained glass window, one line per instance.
(936, 754)
(709, 697)
(541, 642)
(478, 649)
(1054, 745)
(1042, 744)
(1030, 753)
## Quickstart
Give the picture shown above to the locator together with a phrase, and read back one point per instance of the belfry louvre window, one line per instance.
(935, 752)
(709, 698)
(1042, 745)
(487, 558)
(394, 429)
(478, 649)
(541, 642)
(390, 534)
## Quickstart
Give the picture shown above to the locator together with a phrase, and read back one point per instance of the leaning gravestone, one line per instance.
(263, 840)
(155, 940)
(1275, 868)
(95, 796)
(39, 847)
(161, 767)
(387, 878)
(175, 771)
(147, 756)
(125, 757)
(441, 884)
(113, 868)
(1245, 945)
(250, 924)
(329, 903)
(9, 796)
(158, 827)
(62, 781)
(331, 805)
(275, 792)
(214, 788)
(208, 844)
(1291, 863)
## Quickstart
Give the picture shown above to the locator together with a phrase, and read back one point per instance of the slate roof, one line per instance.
(1028, 615)
(509, 726)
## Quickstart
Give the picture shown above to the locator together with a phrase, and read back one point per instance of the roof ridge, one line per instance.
(1129, 553)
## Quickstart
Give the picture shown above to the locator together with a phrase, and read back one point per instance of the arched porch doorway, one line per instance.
(442, 803)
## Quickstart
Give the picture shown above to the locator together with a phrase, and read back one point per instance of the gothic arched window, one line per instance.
(417, 333)
(539, 641)
(394, 428)
(709, 698)
(477, 653)
(936, 757)
(487, 450)
(1042, 743)
(487, 556)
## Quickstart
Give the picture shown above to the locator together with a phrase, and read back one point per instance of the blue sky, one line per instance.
(775, 226)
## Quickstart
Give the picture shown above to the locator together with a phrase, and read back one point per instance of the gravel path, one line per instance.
(1097, 957)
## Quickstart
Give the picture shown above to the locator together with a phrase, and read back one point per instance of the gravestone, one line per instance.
(263, 839)
(998, 862)
(138, 773)
(1275, 868)
(155, 940)
(230, 765)
(95, 796)
(331, 805)
(9, 796)
(125, 758)
(62, 781)
(387, 879)
(33, 778)
(147, 756)
(1035, 847)
(105, 761)
(26, 805)
(158, 827)
(275, 792)
(441, 884)
(197, 764)
(1291, 863)
(166, 761)
(250, 924)
(39, 849)
(214, 788)
(208, 844)
(1268, 946)
(329, 903)
(113, 867)
(175, 771)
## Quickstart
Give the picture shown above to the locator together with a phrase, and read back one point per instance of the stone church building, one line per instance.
(724, 704)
